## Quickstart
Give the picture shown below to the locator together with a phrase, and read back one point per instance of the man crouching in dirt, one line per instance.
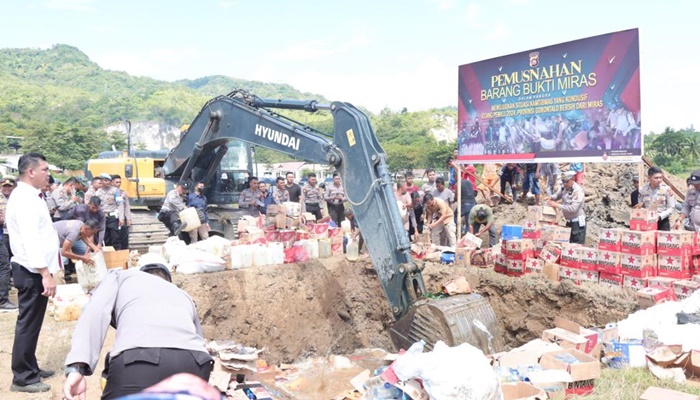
(572, 202)
(158, 334)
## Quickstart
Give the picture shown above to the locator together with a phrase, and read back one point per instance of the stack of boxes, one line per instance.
(662, 263)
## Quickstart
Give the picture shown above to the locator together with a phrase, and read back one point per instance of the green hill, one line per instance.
(59, 101)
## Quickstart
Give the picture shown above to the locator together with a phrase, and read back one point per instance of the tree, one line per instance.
(64, 146)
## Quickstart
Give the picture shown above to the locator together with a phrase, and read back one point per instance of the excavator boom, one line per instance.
(354, 151)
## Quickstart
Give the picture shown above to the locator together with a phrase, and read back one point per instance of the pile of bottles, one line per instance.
(519, 374)
(377, 389)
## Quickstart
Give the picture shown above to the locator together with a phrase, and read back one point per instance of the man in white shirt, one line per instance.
(35, 249)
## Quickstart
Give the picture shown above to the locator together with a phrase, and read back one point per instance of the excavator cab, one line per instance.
(355, 153)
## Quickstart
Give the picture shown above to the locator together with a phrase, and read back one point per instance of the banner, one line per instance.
(572, 101)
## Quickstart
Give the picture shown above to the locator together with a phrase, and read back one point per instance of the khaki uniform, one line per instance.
(691, 208)
(247, 196)
(663, 196)
(280, 196)
(62, 199)
(336, 208)
(572, 202)
(110, 208)
(311, 200)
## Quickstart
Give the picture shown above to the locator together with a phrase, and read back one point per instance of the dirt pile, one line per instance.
(608, 188)
(332, 306)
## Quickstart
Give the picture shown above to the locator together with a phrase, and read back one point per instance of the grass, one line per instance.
(630, 383)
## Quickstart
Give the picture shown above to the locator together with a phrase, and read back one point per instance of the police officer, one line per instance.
(252, 199)
(110, 207)
(657, 193)
(572, 202)
(311, 197)
(691, 207)
(173, 204)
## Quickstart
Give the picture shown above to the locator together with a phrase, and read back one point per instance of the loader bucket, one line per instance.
(454, 320)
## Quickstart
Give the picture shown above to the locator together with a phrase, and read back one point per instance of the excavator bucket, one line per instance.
(454, 320)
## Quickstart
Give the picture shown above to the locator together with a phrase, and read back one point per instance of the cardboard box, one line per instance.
(655, 393)
(638, 266)
(610, 239)
(518, 249)
(463, 256)
(564, 338)
(561, 234)
(548, 232)
(677, 267)
(522, 391)
(469, 240)
(500, 263)
(589, 276)
(531, 229)
(609, 262)
(587, 367)
(638, 242)
(661, 281)
(634, 282)
(281, 221)
(685, 288)
(607, 333)
(571, 255)
(696, 243)
(654, 294)
(631, 352)
(570, 274)
(589, 259)
(551, 252)
(542, 213)
(590, 335)
(482, 258)
(534, 265)
(610, 280)
(674, 243)
(515, 267)
(116, 259)
(643, 219)
(527, 354)
(551, 271)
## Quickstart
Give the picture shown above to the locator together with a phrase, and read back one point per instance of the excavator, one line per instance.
(355, 153)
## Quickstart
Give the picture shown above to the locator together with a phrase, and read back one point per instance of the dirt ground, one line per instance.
(331, 306)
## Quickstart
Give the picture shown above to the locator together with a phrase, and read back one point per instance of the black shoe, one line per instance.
(179, 228)
(7, 306)
(33, 388)
(45, 373)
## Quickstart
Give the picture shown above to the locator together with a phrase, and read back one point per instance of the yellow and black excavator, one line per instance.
(216, 150)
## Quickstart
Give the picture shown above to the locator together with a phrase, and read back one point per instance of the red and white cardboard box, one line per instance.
(571, 255)
(696, 243)
(674, 243)
(333, 232)
(589, 276)
(661, 281)
(542, 213)
(611, 280)
(677, 267)
(638, 266)
(551, 252)
(337, 245)
(534, 265)
(515, 267)
(685, 288)
(654, 294)
(589, 259)
(638, 242)
(635, 283)
(570, 274)
(500, 263)
(609, 262)
(610, 239)
(643, 219)
(518, 249)
(539, 245)
(531, 229)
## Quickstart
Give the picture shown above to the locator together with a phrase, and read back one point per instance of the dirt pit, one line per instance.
(304, 313)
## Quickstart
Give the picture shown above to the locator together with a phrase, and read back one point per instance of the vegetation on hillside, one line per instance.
(676, 151)
(59, 101)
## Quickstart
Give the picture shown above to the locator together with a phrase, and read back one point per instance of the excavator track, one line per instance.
(146, 230)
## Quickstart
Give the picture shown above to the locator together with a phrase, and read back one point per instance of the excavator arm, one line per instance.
(353, 150)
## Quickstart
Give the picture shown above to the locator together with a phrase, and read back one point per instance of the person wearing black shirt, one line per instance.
(418, 210)
(468, 200)
(634, 197)
(293, 189)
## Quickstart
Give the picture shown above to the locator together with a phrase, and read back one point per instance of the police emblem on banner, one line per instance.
(534, 59)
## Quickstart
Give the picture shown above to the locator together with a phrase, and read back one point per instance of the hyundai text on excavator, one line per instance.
(354, 151)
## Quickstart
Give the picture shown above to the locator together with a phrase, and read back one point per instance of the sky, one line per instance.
(376, 54)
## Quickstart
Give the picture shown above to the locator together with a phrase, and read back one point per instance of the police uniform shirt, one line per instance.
(148, 312)
(125, 206)
(247, 197)
(280, 195)
(662, 195)
(63, 201)
(173, 202)
(691, 208)
(312, 194)
(332, 191)
(108, 200)
(572, 201)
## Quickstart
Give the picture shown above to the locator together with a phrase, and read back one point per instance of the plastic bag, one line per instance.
(450, 373)
(193, 261)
